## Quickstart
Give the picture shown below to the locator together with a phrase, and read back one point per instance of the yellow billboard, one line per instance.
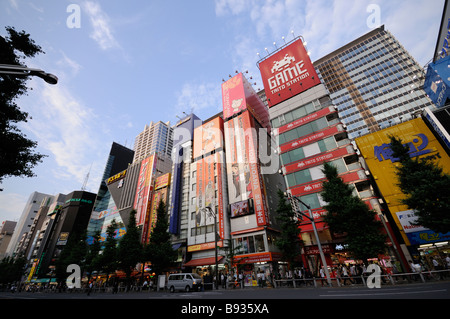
(375, 149)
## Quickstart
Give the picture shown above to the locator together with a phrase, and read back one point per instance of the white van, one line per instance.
(184, 281)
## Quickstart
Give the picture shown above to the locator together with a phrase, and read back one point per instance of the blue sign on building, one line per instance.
(437, 81)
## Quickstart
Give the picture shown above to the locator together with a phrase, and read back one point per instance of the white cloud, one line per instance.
(11, 206)
(102, 33)
(327, 25)
(234, 6)
(67, 129)
(197, 97)
(65, 61)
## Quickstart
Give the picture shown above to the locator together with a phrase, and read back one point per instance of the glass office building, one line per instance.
(374, 82)
(105, 210)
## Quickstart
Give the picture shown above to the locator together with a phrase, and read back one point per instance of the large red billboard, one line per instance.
(288, 72)
(238, 95)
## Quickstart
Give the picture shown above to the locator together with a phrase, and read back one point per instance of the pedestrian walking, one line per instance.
(322, 275)
(344, 272)
(90, 288)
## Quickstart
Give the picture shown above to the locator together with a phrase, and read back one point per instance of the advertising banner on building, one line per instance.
(238, 95)
(376, 151)
(144, 189)
(208, 137)
(205, 191)
(162, 181)
(287, 73)
(244, 177)
(437, 83)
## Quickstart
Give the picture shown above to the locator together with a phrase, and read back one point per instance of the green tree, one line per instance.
(92, 255)
(11, 269)
(17, 156)
(74, 252)
(159, 250)
(107, 259)
(130, 248)
(425, 186)
(288, 241)
(348, 214)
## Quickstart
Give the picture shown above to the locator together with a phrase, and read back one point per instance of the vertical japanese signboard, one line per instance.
(143, 189)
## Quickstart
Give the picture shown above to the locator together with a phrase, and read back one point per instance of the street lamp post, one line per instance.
(21, 71)
(311, 218)
(211, 213)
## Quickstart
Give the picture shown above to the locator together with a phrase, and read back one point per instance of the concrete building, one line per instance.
(26, 220)
(309, 131)
(6, 232)
(374, 82)
(156, 137)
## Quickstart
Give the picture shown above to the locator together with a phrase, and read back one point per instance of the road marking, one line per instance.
(383, 293)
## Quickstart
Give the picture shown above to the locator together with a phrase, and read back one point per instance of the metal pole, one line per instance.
(322, 256)
(319, 246)
(215, 240)
(215, 244)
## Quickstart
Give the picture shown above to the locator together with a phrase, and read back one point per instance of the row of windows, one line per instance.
(297, 154)
(315, 173)
(301, 111)
(303, 130)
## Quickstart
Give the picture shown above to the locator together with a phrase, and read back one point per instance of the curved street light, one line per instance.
(20, 70)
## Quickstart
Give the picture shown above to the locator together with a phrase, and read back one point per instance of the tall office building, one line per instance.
(309, 132)
(6, 232)
(26, 220)
(156, 137)
(374, 82)
(105, 209)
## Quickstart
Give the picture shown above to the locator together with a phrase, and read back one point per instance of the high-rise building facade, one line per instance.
(105, 210)
(156, 137)
(374, 82)
(6, 231)
(26, 220)
(310, 132)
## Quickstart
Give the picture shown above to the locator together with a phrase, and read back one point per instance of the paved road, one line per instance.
(432, 290)
(338, 302)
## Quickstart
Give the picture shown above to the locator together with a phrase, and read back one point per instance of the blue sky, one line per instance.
(129, 63)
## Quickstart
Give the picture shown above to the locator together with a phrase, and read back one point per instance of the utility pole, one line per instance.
(295, 201)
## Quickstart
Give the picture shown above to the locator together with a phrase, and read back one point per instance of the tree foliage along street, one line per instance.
(17, 156)
(426, 187)
(348, 214)
(289, 240)
(159, 250)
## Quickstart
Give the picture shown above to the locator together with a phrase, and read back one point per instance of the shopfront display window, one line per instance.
(250, 244)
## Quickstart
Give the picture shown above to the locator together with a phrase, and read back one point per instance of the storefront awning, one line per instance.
(306, 228)
(176, 246)
(203, 261)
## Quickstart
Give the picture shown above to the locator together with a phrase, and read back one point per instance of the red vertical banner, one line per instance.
(220, 213)
(257, 184)
(144, 189)
(200, 192)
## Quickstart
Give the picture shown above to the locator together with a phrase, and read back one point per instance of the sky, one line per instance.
(124, 64)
